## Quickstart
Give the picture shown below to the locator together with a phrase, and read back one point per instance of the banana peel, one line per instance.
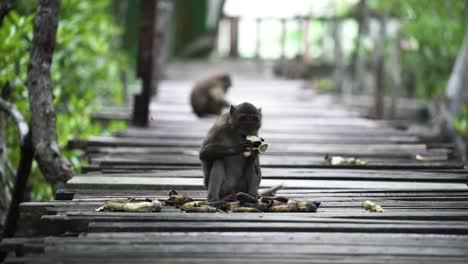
(230, 206)
(245, 210)
(285, 208)
(260, 147)
(239, 203)
(338, 160)
(177, 199)
(372, 207)
(189, 205)
(128, 205)
(201, 209)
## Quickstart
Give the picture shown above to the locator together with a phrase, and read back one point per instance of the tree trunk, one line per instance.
(4, 191)
(55, 168)
(395, 73)
(358, 59)
(21, 179)
(379, 67)
(339, 73)
(455, 96)
(5, 8)
(145, 62)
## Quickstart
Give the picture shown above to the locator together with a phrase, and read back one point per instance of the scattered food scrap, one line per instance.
(338, 160)
(372, 207)
(423, 158)
(130, 205)
(238, 203)
(177, 199)
(190, 152)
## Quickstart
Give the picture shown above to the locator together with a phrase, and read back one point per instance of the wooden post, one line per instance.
(161, 40)
(455, 96)
(379, 68)
(358, 59)
(395, 73)
(258, 24)
(283, 38)
(300, 47)
(306, 53)
(338, 56)
(145, 62)
(233, 48)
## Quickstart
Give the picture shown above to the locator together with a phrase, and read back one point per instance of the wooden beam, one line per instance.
(145, 62)
(258, 38)
(233, 44)
(283, 38)
(395, 73)
(379, 69)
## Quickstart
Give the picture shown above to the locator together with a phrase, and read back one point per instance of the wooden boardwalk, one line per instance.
(425, 202)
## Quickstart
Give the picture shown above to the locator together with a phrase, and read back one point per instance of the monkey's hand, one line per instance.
(245, 145)
(218, 151)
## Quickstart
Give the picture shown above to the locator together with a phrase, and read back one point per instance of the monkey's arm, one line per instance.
(214, 151)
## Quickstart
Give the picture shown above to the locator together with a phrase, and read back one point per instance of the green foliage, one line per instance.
(433, 31)
(461, 121)
(85, 72)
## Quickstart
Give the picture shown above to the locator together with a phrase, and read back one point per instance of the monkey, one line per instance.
(207, 96)
(226, 171)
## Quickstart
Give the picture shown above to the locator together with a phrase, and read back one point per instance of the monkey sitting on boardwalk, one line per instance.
(207, 95)
(225, 168)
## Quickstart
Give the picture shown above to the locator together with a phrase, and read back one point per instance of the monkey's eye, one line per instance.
(254, 118)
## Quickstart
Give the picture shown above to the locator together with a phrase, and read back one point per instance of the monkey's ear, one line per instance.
(260, 110)
(232, 110)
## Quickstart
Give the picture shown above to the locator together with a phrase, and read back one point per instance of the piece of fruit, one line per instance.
(245, 210)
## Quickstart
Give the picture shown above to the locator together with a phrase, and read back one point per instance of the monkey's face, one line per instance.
(246, 118)
(226, 82)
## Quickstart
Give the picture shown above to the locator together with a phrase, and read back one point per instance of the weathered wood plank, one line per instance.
(139, 183)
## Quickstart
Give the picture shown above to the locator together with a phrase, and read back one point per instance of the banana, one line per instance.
(202, 209)
(305, 206)
(337, 160)
(367, 204)
(189, 205)
(261, 146)
(138, 207)
(285, 208)
(177, 199)
(112, 206)
(231, 205)
(129, 206)
(245, 210)
(377, 209)
(263, 206)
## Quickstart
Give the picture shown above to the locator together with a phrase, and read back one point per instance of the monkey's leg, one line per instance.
(217, 175)
(253, 175)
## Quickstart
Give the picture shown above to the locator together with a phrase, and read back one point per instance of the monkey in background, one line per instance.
(226, 170)
(207, 95)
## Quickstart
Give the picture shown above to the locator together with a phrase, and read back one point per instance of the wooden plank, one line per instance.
(189, 226)
(165, 183)
(152, 161)
(331, 174)
(439, 154)
(142, 142)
